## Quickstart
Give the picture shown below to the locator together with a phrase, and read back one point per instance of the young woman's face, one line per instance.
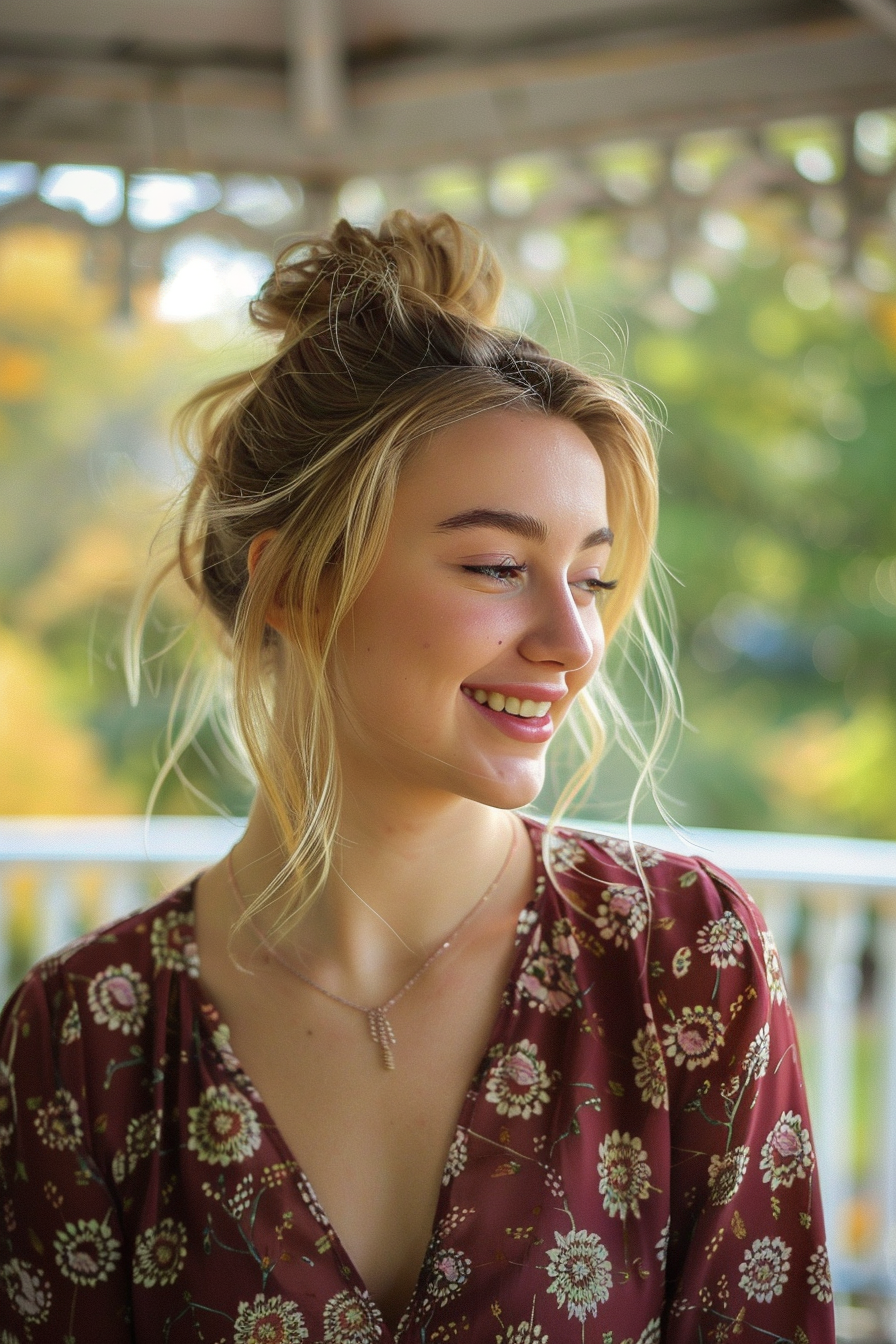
(481, 622)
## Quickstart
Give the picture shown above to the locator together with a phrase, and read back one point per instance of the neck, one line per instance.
(402, 879)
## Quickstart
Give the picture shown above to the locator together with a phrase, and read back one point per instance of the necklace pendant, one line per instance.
(382, 1033)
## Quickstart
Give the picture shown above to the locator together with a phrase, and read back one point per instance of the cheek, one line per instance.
(420, 631)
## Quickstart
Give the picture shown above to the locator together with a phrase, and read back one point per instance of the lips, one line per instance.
(531, 727)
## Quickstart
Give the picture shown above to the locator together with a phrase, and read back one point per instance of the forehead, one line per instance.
(522, 461)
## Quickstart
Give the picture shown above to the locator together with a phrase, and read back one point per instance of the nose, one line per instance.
(562, 633)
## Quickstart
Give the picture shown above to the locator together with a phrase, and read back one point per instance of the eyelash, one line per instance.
(501, 573)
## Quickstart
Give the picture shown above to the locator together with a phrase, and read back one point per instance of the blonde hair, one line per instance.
(384, 339)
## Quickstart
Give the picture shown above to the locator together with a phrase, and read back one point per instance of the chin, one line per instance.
(517, 789)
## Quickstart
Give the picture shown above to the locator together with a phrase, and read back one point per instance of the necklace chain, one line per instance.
(381, 1028)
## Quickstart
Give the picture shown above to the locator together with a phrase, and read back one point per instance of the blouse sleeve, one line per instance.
(63, 1276)
(747, 1250)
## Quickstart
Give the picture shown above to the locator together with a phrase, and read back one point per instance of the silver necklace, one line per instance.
(381, 1028)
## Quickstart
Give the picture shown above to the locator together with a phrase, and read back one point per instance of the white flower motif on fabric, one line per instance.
(726, 1172)
(787, 1152)
(58, 1124)
(7, 1109)
(694, 1039)
(581, 1274)
(70, 1031)
(722, 940)
(448, 1271)
(351, 1318)
(28, 1290)
(457, 1157)
(649, 1065)
(651, 1332)
(566, 853)
(624, 1174)
(173, 943)
(118, 998)
(818, 1275)
(774, 976)
(223, 1128)
(526, 922)
(624, 854)
(159, 1254)
(86, 1252)
(765, 1269)
(526, 1333)
(269, 1320)
(144, 1134)
(662, 1246)
(622, 914)
(518, 1082)
(757, 1056)
(681, 962)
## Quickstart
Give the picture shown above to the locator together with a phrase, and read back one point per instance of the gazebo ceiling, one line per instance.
(326, 91)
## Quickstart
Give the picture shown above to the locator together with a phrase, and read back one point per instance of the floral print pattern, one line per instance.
(118, 998)
(624, 1174)
(58, 1124)
(159, 1253)
(223, 1127)
(649, 1065)
(765, 1269)
(694, 1039)
(518, 1082)
(787, 1152)
(580, 1272)
(631, 1160)
(818, 1275)
(547, 978)
(722, 940)
(726, 1171)
(173, 943)
(622, 914)
(351, 1318)
(86, 1252)
(269, 1321)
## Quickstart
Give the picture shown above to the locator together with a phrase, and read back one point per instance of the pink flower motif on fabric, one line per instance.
(787, 1152)
(118, 998)
(622, 914)
(518, 1082)
(546, 977)
(694, 1039)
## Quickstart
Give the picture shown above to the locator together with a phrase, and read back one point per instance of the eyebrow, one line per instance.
(521, 524)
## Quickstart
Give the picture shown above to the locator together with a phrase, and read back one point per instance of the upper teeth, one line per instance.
(526, 709)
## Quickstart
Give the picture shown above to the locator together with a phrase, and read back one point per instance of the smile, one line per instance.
(508, 704)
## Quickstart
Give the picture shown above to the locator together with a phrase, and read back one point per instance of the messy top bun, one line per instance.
(385, 338)
(412, 266)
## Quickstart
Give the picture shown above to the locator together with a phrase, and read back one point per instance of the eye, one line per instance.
(500, 573)
(596, 586)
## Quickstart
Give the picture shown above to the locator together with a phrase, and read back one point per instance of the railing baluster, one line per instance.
(56, 909)
(885, 996)
(781, 911)
(836, 934)
(124, 892)
(6, 985)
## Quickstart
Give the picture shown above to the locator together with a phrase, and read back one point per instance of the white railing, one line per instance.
(830, 902)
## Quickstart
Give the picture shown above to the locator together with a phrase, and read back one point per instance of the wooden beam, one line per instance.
(316, 70)
(882, 13)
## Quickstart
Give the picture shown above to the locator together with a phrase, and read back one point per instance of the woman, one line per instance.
(406, 1064)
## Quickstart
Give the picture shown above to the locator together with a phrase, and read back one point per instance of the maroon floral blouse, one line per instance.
(632, 1163)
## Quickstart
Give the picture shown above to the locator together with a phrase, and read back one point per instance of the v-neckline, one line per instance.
(211, 1021)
